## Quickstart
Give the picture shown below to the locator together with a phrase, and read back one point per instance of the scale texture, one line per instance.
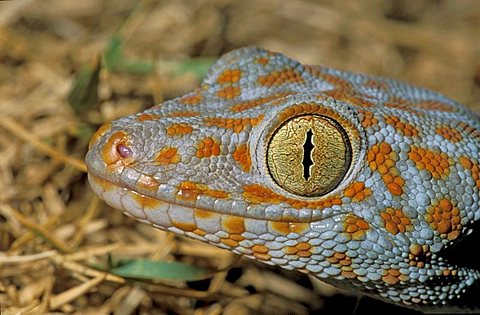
(197, 166)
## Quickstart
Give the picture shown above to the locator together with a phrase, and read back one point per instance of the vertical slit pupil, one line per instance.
(307, 154)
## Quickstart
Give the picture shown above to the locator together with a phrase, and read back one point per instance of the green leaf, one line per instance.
(115, 61)
(157, 270)
(83, 131)
(198, 66)
(136, 67)
(113, 53)
(84, 92)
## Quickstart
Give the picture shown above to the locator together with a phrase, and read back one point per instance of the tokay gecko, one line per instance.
(364, 182)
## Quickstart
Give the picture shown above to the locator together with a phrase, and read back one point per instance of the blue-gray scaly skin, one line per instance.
(199, 166)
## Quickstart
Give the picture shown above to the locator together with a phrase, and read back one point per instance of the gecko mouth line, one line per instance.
(113, 193)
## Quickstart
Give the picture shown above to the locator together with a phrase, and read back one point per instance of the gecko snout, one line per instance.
(110, 149)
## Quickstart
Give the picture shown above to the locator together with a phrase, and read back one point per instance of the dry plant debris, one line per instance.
(57, 241)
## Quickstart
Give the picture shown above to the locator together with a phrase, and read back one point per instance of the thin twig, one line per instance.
(18, 130)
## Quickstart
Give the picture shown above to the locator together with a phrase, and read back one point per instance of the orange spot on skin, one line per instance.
(413, 107)
(449, 133)
(234, 227)
(260, 249)
(229, 76)
(260, 252)
(242, 156)
(288, 75)
(185, 113)
(179, 129)
(236, 124)
(339, 258)
(290, 250)
(401, 126)
(146, 182)
(200, 232)
(262, 256)
(202, 214)
(304, 253)
(144, 117)
(208, 147)
(396, 221)
(262, 60)
(342, 261)
(192, 99)
(473, 167)
(444, 218)
(435, 105)
(369, 119)
(240, 107)
(418, 255)
(303, 246)
(237, 237)
(402, 104)
(349, 274)
(337, 82)
(219, 194)
(466, 163)
(186, 227)
(105, 184)
(395, 188)
(229, 242)
(355, 227)
(469, 130)
(357, 191)
(393, 276)
(110, 155)
(436, 163)
(99, 133)
(376, 84)
(167, 155)
(190, 191)
(286, 228)
(233, 224)
(350, 97)
(145, 201)
(229, 92)
(259, 194)
(382, 158)
(300, 249)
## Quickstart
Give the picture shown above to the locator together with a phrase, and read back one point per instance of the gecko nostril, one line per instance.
(124, 151)
(117, 150)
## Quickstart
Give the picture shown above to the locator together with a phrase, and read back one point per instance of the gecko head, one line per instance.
(256, 140)
(259, 153)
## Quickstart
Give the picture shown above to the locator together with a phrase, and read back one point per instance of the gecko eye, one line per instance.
(309, 155)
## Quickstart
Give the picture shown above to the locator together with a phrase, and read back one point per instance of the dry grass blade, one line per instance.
(84, 270)
(26, 258)
(16, 129)
(38, 229)
(70, 295)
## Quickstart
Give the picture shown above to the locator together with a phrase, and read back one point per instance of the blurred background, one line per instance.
(68, 66)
